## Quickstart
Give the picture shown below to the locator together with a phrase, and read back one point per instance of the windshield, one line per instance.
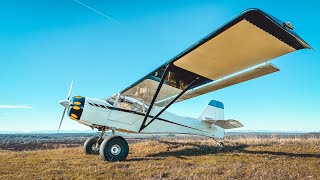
(126, 102)
(111, 100)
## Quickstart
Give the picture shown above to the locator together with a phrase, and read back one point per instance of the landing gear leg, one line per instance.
(220, 144)
(100, 139)
(92, 145)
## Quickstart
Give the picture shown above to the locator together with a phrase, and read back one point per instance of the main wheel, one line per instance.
(114, 148)
(90, 146)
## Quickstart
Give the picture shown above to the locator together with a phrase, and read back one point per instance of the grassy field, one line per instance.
(170, 158)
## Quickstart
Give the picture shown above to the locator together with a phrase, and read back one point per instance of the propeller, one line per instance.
(66, 104)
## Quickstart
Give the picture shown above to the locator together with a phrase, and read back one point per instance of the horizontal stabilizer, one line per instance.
(223, 83)
(225, 124)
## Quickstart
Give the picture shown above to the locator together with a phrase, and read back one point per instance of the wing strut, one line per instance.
(155, 97)
(166, 107)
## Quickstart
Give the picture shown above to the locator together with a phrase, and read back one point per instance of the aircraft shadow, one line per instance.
(199, 150)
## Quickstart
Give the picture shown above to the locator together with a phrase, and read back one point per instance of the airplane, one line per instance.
(234, 53)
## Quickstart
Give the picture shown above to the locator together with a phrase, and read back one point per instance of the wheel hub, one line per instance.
(115, 149)
(95, 148)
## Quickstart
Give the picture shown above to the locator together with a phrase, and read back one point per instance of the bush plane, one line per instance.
(234, 53)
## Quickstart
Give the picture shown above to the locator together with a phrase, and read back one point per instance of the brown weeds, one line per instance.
(171, 158)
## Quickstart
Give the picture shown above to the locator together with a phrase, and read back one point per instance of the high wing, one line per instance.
(250, 39)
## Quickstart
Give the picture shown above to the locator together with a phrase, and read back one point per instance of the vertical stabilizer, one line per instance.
(214, 111)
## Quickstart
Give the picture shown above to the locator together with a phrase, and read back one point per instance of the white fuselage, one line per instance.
(99, 113)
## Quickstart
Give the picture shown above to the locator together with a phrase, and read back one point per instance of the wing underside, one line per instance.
(225, 82)
(250, 39)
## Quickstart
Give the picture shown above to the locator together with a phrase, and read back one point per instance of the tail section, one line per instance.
(214, 111)
(214, 114)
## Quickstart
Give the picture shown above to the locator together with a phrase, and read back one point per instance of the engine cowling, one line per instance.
(76, 107)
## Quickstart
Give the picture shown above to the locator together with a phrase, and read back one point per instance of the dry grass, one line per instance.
(242, 158)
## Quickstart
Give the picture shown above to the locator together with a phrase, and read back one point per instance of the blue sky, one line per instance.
(46, 44)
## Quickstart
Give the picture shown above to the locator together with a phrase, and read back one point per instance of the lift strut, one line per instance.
(143, 125)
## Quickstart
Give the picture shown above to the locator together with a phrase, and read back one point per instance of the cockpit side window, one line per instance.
(125, 103)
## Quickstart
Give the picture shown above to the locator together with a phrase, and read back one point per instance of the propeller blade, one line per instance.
(66, 104)
(70, 90)
(64, 111)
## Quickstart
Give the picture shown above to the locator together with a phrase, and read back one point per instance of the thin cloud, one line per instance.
(14, 107)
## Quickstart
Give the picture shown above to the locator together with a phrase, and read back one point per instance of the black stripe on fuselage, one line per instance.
(142, 114)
